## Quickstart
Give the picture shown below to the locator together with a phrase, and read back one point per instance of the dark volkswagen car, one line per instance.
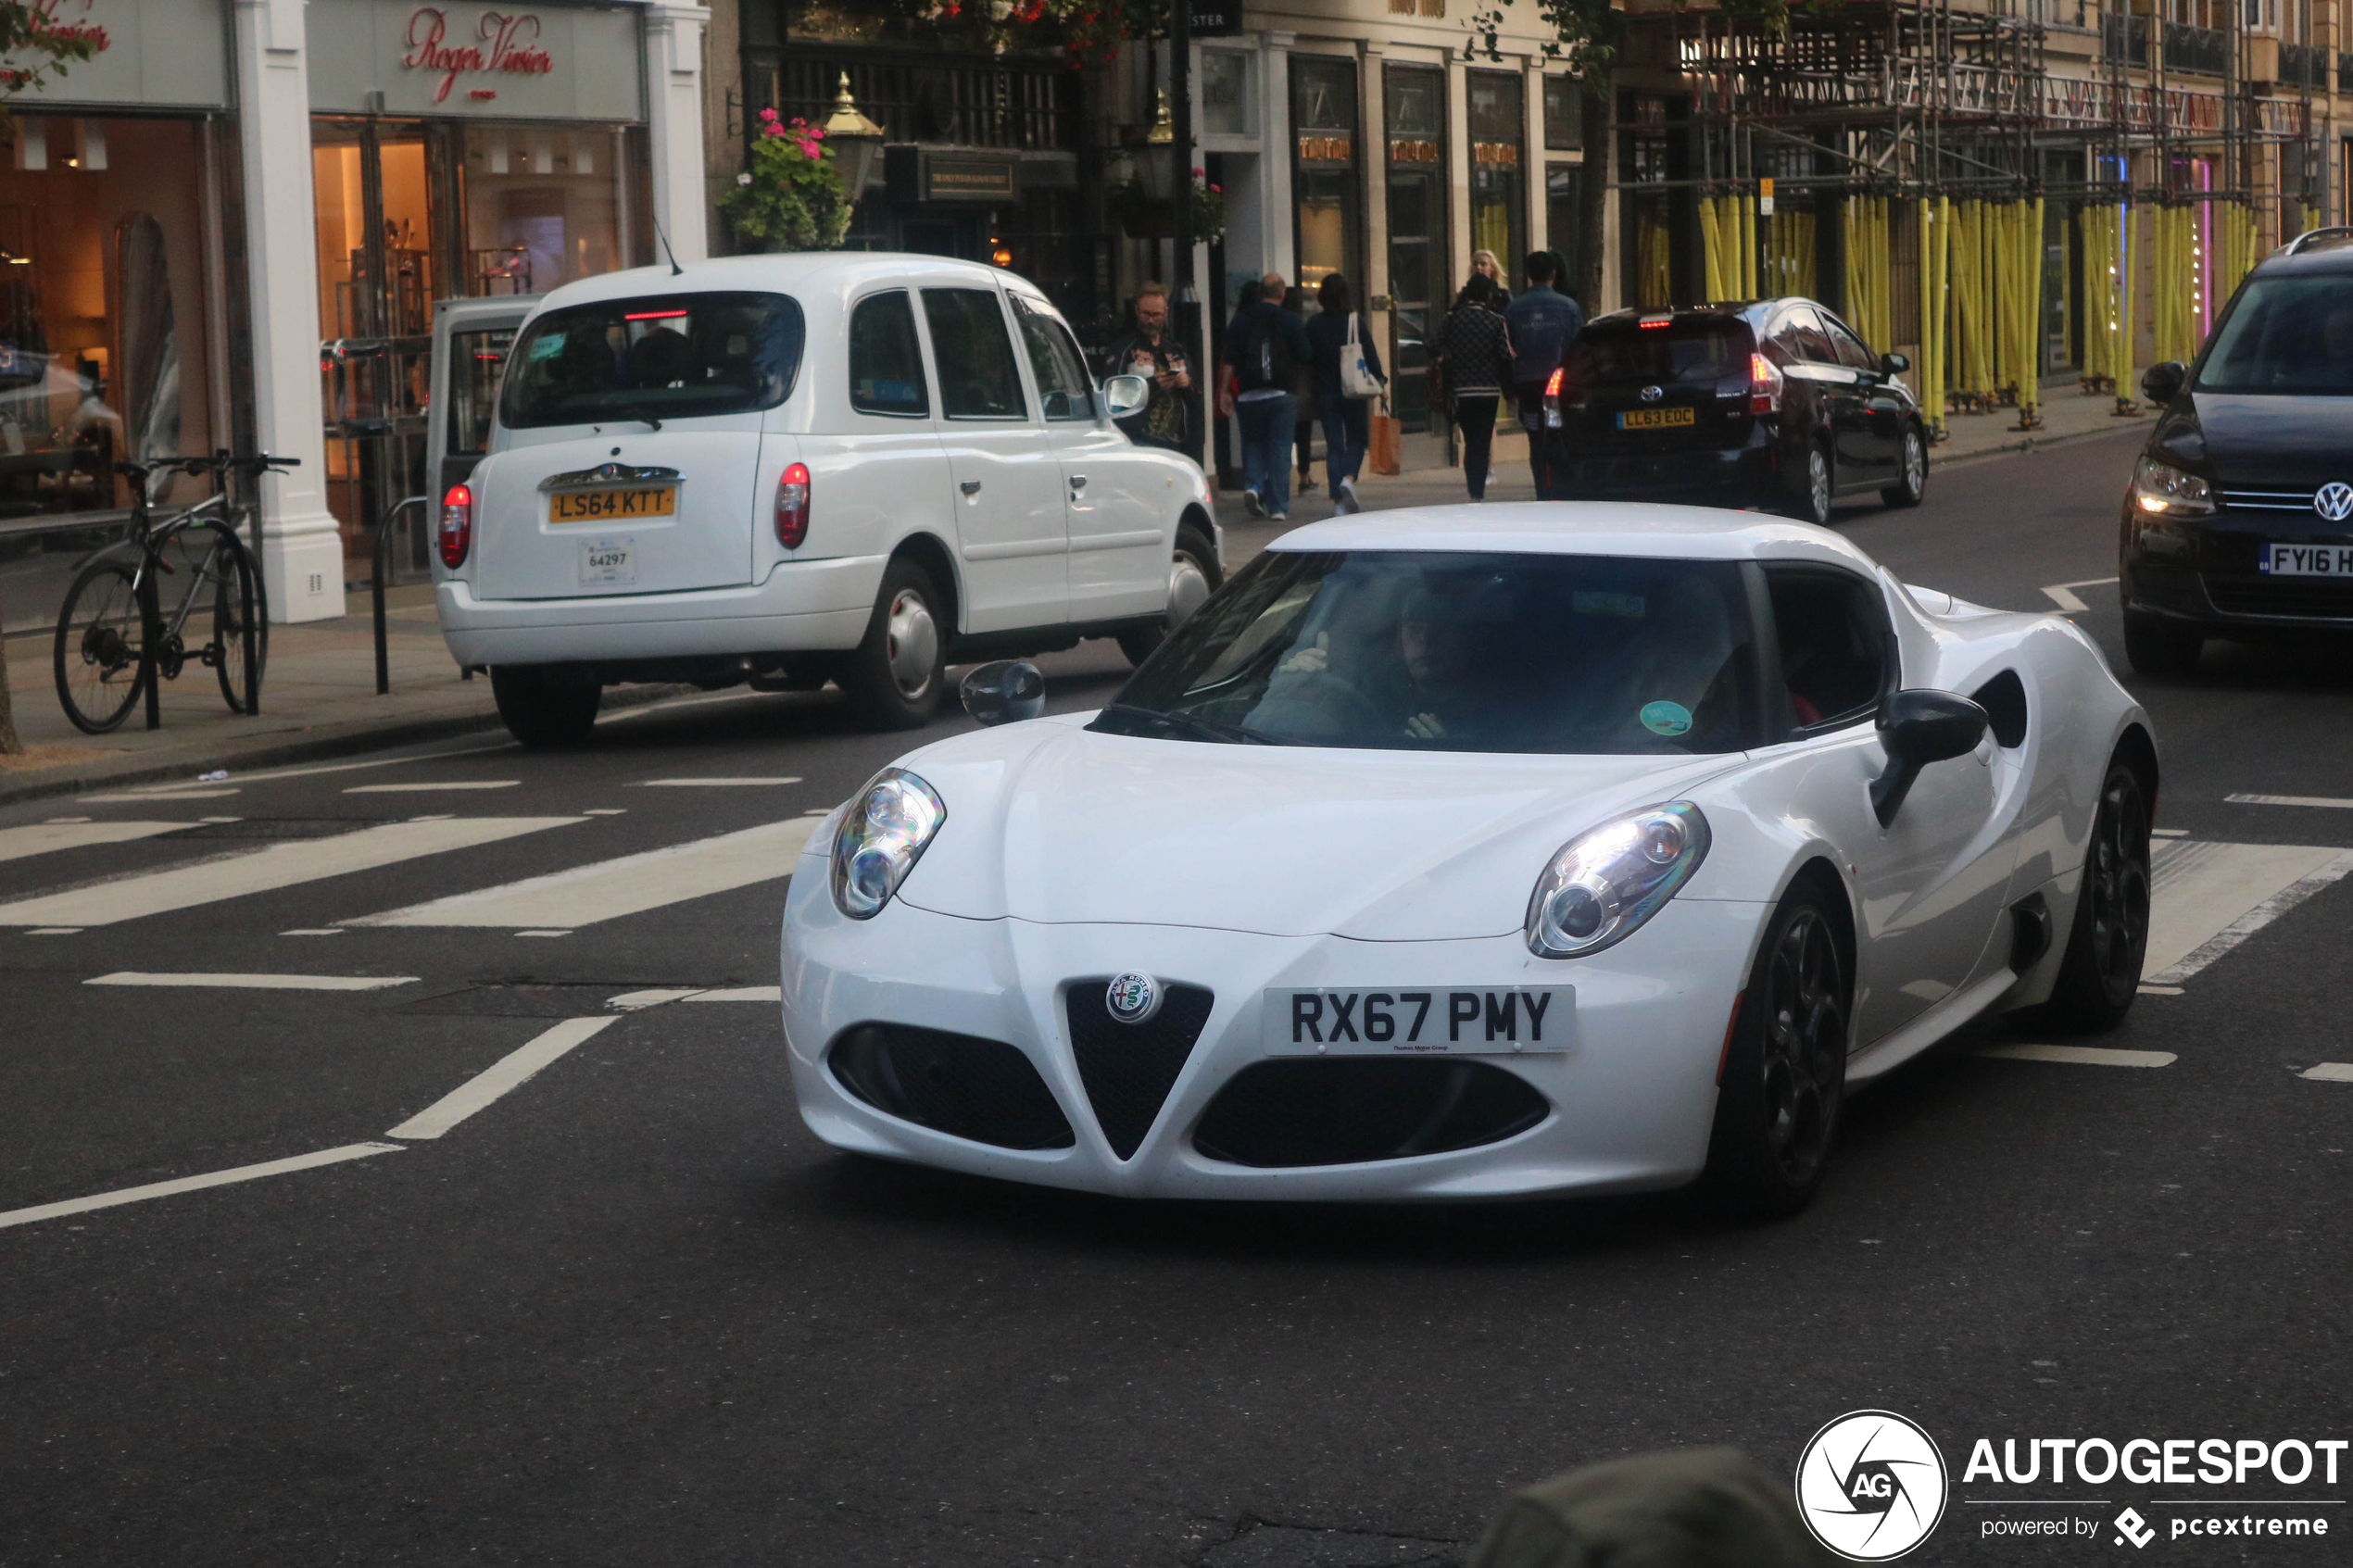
(2239, 522)
(1775, 403)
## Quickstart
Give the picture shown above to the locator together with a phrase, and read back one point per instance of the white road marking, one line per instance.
(412, 788)
(608, 812)
(674, 704)
(2082, 1056)
(2330, 1073)
(258, 981)
(2327, 800)
(711, 784)
(55, 931)
(2160, 990)
(314, 931)
(149, 797)
(609, 889)
(195, 1183)
(2169, 833)
(2063, 596)
(67, 818)
(43, 838)
(543, 932)
(265, 869)
(2208, 897)
(630, 1001)
(509, 1073)
(741, 994)
(376, 762)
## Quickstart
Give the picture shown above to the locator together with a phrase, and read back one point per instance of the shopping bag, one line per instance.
(1356, 378)
(1387, 453)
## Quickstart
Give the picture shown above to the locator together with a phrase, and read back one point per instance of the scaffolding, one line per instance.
(1937, 182)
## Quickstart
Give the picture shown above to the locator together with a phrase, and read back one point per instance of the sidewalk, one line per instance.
(319, 700)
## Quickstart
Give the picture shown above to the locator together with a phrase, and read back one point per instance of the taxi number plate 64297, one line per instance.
(1420, 1021)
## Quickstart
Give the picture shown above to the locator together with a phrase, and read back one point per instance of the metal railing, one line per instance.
(2124, 38)
(1003, 101)
(2197, 51)
(2304, 65)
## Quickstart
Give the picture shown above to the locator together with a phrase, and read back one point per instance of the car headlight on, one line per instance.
(1604, 884)
(2162, 489)
(880, 837)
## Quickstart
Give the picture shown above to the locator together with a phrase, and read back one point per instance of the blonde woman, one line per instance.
(1484, 265)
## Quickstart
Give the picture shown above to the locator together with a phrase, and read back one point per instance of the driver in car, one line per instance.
(1439, 643)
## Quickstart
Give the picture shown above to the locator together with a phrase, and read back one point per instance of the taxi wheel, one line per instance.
(538, 712)
(1192, 577)
(1785, 1075)
(898, 672)
(2101, 973)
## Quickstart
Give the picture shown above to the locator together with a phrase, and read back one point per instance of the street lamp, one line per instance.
(1156, 167)
(857, 142)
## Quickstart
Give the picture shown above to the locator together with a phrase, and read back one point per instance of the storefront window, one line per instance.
(1413, 105)
(545, 206)
(1498, 128)
(104, 300)
(1224, 92)
(1324, 183)
(1564, 216)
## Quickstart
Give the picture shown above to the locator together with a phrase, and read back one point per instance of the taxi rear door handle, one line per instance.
(1078, 482)
(970, 487)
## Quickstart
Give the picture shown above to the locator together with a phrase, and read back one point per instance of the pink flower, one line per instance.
(768, 115)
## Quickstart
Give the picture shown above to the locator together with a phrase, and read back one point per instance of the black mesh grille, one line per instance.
(1350, 1111)
(1130, 1068)
(984, 1090)
(2320, 598)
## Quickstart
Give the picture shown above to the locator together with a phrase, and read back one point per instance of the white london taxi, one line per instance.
(788, 470)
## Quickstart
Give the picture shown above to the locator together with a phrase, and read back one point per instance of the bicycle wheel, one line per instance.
(100, 668)
(231, 567)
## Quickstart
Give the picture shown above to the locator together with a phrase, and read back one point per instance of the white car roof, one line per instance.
(806, 275)
(1584, 528)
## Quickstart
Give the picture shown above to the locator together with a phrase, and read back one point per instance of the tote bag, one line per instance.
(1356, 378)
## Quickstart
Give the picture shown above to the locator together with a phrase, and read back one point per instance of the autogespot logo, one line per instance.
(1871, 1486)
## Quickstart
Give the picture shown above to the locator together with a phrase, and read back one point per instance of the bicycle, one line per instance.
(114, 642)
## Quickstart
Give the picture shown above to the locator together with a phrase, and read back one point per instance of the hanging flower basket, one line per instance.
(789, 196)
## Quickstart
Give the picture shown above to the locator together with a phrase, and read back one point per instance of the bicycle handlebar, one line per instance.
(218, 463)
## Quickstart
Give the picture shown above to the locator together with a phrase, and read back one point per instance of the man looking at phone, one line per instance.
(1153, 353)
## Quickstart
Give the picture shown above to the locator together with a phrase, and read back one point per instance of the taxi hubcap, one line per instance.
(1188, 589)
(912, 642)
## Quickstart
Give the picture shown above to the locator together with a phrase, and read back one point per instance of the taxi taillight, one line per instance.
(456, 534)
(792, 506)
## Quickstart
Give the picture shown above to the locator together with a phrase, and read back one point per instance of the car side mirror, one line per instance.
(1007, 690)
(1894, 364)
(1126, 395)
(2162, 383)
(1917, 728)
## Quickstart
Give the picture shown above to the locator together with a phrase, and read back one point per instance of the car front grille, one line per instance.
(1130, 1068)
(1352, 1110)
(2268, 500)
(985, 1090)
(2299, 598)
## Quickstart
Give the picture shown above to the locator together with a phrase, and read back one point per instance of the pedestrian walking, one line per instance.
(1484, 265)
(1153, 352)
(1265, 346)
(1479, 355)
(1348, 376)
(1303, 429)
(1544, 323)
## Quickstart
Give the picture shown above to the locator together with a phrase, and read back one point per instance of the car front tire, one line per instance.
(1785, 1075)
(538, 712)
(2160, 647)
(1911, 470)
(1192, 577)
(898, 672)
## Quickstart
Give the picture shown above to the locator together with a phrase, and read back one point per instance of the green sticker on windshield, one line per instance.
(1666, 718)
(546, 347)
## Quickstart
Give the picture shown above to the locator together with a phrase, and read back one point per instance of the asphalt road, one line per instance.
(632, 1313)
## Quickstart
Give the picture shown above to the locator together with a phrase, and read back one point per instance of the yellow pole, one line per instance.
(1710, 251)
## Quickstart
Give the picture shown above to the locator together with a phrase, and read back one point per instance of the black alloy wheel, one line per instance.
(1784, 1076)
(2101, 973)
(1912, 469)
(539, 711)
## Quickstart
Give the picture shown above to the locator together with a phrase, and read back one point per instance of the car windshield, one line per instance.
(671, 358)
(2285, 335)
(1688, 348)
(1483, 652)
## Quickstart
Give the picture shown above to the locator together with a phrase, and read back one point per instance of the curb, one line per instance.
(2032, 442)
(343, 740)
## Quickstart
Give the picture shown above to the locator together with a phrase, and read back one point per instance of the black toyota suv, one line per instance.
(2239, 520)
(1775, 403)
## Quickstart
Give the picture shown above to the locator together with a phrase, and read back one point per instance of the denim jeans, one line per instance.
(1268, 425)
(1347, 432)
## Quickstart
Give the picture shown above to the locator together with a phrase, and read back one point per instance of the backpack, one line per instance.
(1264, 361)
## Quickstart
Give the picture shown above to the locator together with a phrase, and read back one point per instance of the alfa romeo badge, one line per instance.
(1132, 998)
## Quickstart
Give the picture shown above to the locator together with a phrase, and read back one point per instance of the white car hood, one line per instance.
(1050, 823)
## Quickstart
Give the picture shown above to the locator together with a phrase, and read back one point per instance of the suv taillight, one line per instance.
(456, 535)
(1553, 398)
(792, 506)
(1763, 385)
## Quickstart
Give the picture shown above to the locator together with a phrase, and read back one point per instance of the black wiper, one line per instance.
(1153, 721)
(641, 414)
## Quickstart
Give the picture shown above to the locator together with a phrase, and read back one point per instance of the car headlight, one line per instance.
(2170, 492)
(880, 837)
(1604, 884)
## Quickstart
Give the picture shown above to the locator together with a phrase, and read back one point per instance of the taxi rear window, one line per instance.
(670, 357)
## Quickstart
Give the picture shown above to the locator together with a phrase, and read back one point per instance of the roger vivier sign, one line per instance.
(501, 60)
(502, 46)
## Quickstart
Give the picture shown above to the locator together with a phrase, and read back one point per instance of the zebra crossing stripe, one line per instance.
(608, 889)
(265, 869)
(43, 838)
